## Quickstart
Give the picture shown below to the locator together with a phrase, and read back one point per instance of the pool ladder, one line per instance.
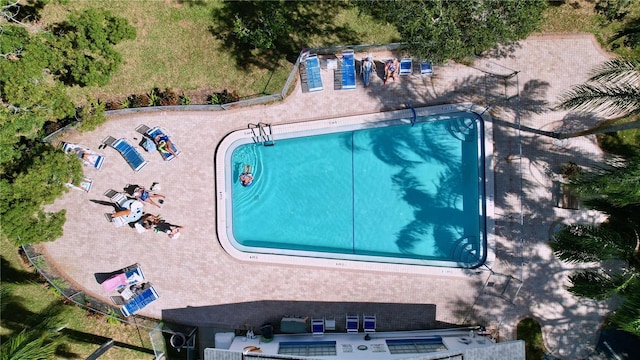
(262, 133)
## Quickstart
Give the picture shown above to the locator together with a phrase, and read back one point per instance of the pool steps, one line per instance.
(466, 250)
(461, 128)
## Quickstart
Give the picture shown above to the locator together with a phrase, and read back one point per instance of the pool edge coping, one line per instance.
(354, 120)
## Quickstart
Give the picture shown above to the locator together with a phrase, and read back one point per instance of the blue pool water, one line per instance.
(393, 192)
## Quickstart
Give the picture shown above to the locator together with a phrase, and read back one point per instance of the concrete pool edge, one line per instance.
(357, 121)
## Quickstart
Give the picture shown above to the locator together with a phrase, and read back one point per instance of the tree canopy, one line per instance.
(86, 40)
(36, 67)
(612, 190)
(454, 29)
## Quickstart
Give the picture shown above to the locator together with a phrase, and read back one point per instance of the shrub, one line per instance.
(185, 100)
(113, 316)
(613, 9)
(224, 97)
(50, 127)
(113, 105)
(529, 331)
(125, 103)
(214, 99)
(91, 115)
(570, 170)
(169, 97)
(154, 97)
(137, 101)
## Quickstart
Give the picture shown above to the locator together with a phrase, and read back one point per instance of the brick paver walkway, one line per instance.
(200, 284)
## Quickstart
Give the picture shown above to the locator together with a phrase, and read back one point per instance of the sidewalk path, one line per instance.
(199, 283)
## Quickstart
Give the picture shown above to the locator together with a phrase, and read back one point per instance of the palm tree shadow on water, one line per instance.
(435, 216)
(436, 211)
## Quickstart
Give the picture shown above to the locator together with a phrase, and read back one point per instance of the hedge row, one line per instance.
(169, 97)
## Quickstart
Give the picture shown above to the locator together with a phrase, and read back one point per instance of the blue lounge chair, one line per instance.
(139, 301)
(353, 323)
(150, 134)
(406, 66)
(313, 73)
(128, 152)
(426, 68)
(317, 326)
(369, 323)
(348, 70)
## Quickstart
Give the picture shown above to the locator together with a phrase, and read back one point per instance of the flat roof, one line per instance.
(355, 346)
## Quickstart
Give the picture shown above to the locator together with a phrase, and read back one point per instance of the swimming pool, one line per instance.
(371, 189)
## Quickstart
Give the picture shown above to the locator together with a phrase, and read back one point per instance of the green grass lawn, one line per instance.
(529, 331)
(580, 16)
(173, 49)
(625, 143)
(176, 48)
(178, 43)
(85, 332)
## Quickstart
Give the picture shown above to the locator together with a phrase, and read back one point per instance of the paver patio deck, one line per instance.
(200, 284)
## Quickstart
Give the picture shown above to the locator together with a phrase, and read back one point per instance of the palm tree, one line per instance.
(613, 87)
(615, 191)
(28, 345)
(628, 315)
(37, 342)
(616, 183)
(613, 90)
(595, 244)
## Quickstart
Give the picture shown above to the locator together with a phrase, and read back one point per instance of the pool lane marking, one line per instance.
(353, 195)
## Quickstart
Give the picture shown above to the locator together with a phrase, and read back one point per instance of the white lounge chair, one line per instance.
(88, 156)
(119, 199)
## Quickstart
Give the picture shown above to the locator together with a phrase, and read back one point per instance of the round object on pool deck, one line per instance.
(177, 340)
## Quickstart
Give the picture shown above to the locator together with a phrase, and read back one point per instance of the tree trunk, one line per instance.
(599, 130)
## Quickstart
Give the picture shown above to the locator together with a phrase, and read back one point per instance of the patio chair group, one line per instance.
(345, 76)
(406, 67)
(132, 156)
(352, 324)
(129, 289)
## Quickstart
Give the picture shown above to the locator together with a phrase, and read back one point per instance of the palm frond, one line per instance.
(29, 345)
(617, 71)
(617, 183)
(594, 284)
(627, 317)
(588, 243)
(611, 99)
